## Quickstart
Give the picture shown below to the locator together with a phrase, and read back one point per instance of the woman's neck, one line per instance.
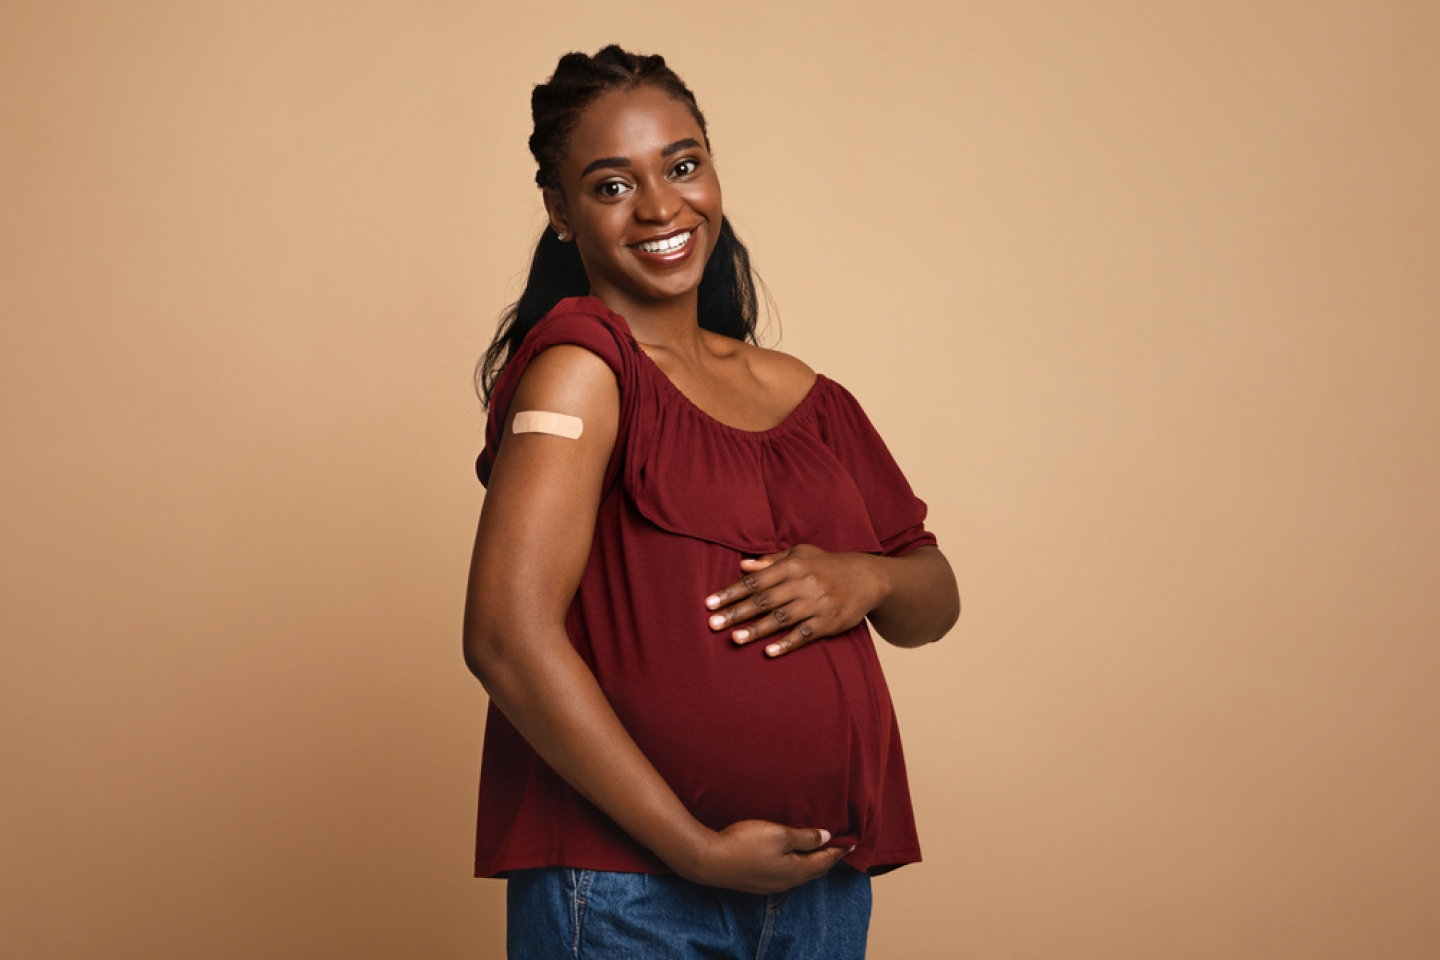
(672, 326)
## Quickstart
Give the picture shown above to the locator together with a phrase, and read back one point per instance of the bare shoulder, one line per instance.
(780, 374)
(567, 454)
(772, 364)
(785, 377)
(567, 379)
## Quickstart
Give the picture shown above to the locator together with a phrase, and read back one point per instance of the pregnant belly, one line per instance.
(740, 736)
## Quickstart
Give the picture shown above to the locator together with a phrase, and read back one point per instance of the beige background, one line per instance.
(1143, 295)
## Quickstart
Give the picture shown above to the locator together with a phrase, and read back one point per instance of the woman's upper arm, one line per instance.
(540, 505)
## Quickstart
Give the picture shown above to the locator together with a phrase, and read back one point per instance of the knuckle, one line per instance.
(750, 582)
(781, 616)
(806, 631)
(761, 600)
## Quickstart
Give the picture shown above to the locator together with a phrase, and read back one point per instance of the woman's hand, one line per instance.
(801, 594)
(756, 856)
(806, 593)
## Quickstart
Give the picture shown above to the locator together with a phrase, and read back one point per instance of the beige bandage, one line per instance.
(542, 421)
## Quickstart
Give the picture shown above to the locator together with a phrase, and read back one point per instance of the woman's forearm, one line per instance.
(535, 677)
(920, 599)
(549, 694)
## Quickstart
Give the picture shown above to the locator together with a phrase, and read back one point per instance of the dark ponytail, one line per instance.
(727, 297)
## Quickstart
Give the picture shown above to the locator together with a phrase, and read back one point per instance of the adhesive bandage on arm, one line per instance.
(542, 421)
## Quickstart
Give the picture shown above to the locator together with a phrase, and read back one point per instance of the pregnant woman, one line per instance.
(691, 750)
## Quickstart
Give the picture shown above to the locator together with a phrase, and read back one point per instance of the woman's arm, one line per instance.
(806, 593)
(921, 599)
(530, 553)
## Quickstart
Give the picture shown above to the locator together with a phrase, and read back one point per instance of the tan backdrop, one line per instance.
(1143, 295)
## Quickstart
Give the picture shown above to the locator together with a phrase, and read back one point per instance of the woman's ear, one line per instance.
(555, 209)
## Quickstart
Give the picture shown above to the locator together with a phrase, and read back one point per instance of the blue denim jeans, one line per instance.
(560, 912)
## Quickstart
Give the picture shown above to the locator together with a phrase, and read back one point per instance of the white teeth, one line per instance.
(666, 245)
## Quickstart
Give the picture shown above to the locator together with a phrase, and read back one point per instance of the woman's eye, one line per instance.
(612, 188)
(685, 167)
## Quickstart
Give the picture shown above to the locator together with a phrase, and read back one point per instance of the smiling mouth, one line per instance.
(666, 244)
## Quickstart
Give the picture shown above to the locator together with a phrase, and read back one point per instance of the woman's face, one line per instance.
(641, 198)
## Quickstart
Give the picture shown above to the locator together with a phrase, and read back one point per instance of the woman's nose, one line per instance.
(658, 202)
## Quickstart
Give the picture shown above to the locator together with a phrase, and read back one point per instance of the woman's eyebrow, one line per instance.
(602, 163)
(689, 143)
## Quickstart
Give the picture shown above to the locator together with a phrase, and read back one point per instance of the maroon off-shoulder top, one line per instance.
(808, 739)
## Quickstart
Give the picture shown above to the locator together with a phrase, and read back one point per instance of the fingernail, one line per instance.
(712, 602)
(850, 849)
(742, 635)
(824, 836)
(717, 621)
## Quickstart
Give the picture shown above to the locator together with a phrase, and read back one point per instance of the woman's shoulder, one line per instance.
(575, 338)
(582, 322)
(781, 375)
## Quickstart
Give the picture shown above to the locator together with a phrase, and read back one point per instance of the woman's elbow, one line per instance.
(952, 611)
(483, 645)
(945, 591)
(946, 612)
(502, 648)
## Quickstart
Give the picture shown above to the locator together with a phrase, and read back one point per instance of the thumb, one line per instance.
(759, 563)
(809, 840)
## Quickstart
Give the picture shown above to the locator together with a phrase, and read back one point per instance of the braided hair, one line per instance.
(727, 297)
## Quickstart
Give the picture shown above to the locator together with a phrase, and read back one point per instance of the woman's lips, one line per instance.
(671, 249)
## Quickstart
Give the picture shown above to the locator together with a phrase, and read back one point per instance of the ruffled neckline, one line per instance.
(796, 415)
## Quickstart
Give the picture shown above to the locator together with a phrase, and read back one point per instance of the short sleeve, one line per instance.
(577, 322)
(897, 515)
